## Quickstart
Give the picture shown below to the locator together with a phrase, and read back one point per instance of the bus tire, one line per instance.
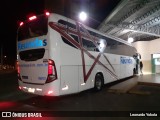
(98, 82)
(134, 72)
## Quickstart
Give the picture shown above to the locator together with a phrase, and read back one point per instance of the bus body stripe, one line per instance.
(55, 27)
(90, 70)
(65, 34)
(82, 52)
(109, 62)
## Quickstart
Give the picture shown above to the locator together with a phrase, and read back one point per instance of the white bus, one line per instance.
(59, 56)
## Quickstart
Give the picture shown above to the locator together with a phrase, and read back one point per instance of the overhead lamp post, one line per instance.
(82, 16)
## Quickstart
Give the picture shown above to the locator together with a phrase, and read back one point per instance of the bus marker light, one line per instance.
(32, 90)
(21, 23)
(50, 92)
(18, 71)
(52, 74)
(38, 89)
(83, 83)
(24, 87)
(18, 68)
(20, 87)
(32, 17)
(50, 69)
(47, 13)
(65, 88)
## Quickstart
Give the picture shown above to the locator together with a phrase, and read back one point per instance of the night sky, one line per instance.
(13, 11)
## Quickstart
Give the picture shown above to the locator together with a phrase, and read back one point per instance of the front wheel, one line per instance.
(98, 82)
(134, 72)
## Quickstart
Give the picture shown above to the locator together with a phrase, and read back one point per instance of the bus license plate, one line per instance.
(31, 90)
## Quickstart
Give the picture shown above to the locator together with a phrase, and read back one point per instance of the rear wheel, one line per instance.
(98, 82)
(134, 72)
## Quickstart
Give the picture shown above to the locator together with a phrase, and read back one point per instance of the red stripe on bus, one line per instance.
(82, 52)
(109, 62)
(63, 30)
(90, 70)
(55, 27)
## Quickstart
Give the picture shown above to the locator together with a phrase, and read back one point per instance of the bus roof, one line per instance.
(94, 30)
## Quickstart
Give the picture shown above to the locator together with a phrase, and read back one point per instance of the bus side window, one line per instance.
(75, 37)
(68, 24)
(89, 45)
(69, 43)
(81, 30)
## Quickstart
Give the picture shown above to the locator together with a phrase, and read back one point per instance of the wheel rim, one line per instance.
(98, 83)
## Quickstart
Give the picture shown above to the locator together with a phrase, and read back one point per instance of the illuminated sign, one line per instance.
(126, 60)
(32, 44)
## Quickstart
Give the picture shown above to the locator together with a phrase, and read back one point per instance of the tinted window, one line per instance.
(69, 43)
(30, 29)
(32, 55)
(75, 38)
(92, 33)
(115, 47)
(89, 45)
(82, 30)
(65, 23)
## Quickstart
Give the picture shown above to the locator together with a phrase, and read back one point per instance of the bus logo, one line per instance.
(32, 44)
(126, 60)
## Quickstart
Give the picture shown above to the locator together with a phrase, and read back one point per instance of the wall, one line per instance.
(155, 46)
(146, 48)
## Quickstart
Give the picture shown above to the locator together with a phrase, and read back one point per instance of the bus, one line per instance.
(59, 56)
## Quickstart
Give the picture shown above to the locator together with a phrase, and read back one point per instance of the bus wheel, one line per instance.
(134, 72)
(98, 82)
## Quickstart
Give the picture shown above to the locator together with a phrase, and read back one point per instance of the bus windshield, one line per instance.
(34, 28)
